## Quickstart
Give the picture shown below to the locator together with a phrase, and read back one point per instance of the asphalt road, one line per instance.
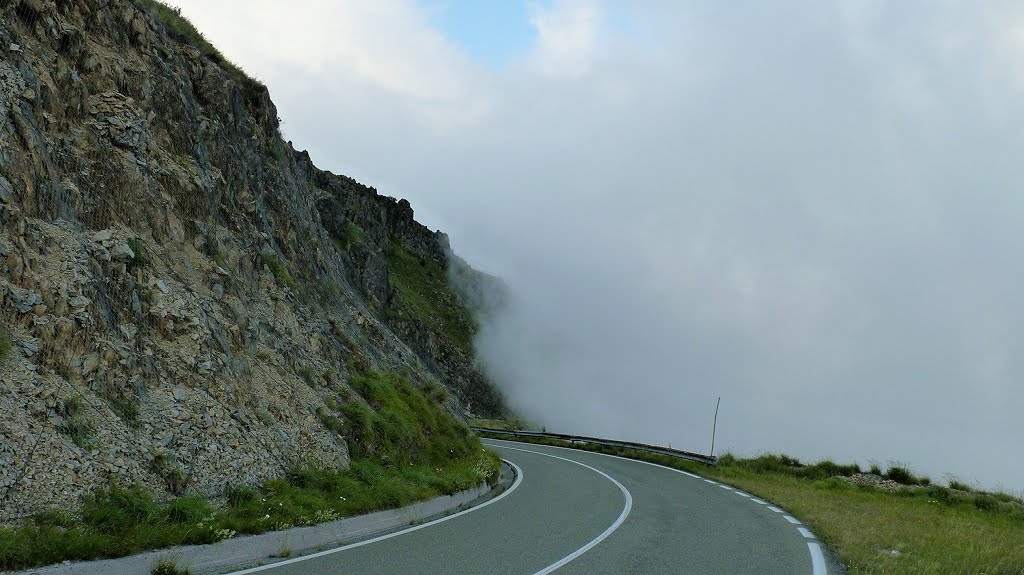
(574, 512)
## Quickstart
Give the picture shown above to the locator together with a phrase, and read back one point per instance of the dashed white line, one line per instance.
(758, 501)
(741, 494)
(726, 487)
(805, 532)
(611, 529)
(775, 509)
(791, 519)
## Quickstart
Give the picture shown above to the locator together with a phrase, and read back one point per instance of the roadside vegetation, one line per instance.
(912, 528)
(424, 292)
(405, 448)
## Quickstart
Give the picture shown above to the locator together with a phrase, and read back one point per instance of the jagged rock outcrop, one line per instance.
(183, 290)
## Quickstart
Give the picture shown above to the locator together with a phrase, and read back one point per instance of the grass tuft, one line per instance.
(169, 567)
(6, 343)
(76, 425)
(281, 275)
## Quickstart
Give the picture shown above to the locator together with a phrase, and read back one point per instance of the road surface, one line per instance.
(578, 513)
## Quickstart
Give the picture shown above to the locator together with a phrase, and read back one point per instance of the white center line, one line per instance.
(611, 529)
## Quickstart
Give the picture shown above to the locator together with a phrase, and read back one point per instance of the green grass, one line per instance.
(185, 31)
(405, 448)
(140, 259)
(281, 275)
(5, 344)
(76, 425)
(354, 235)
(169, 567)
(424, 292)
(932, 529)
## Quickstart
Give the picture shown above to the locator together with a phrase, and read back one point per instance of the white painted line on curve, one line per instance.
(727, 487)
(604, 535)
(513, 487)
(805, 532)
(741, 494)
(817, 559)
(791, 519)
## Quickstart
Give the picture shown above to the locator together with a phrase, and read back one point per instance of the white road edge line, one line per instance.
(817, 559)
(805, 532)
(791, 519)
(604, 535)
(672, 469)
(513, 487)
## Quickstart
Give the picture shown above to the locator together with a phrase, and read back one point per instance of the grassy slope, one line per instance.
(405, 448)
(935, 530)
(425, 292)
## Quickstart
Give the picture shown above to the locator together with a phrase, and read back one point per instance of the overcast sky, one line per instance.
(811, 209)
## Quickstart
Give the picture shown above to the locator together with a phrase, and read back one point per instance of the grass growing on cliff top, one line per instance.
(931, 529)
(424, 292)
(406, 448)
(171, 17)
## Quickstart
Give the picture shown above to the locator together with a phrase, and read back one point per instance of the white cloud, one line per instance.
(567, 36)
(811, 216)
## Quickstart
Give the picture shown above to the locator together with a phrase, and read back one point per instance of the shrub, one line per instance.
(5, 344)
(139, 260)
(960, 486)
(126, 407)
(308, 376)
(168, 469)
(900, 475)
(75, 425)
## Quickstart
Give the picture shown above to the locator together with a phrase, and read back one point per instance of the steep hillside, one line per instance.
(188, 303)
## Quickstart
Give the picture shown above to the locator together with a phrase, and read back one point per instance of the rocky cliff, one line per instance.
(184, 295)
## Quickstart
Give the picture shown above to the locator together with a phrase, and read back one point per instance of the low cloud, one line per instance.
(808, 209)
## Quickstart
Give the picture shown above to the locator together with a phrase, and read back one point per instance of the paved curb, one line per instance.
(252, 550)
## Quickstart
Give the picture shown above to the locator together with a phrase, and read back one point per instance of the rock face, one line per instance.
(184, 290)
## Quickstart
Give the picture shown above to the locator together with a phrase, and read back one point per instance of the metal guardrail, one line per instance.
(688, 455)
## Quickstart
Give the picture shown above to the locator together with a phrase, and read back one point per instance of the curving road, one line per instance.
(575, 512)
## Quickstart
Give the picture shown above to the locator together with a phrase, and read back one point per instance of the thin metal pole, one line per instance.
(715, 427)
